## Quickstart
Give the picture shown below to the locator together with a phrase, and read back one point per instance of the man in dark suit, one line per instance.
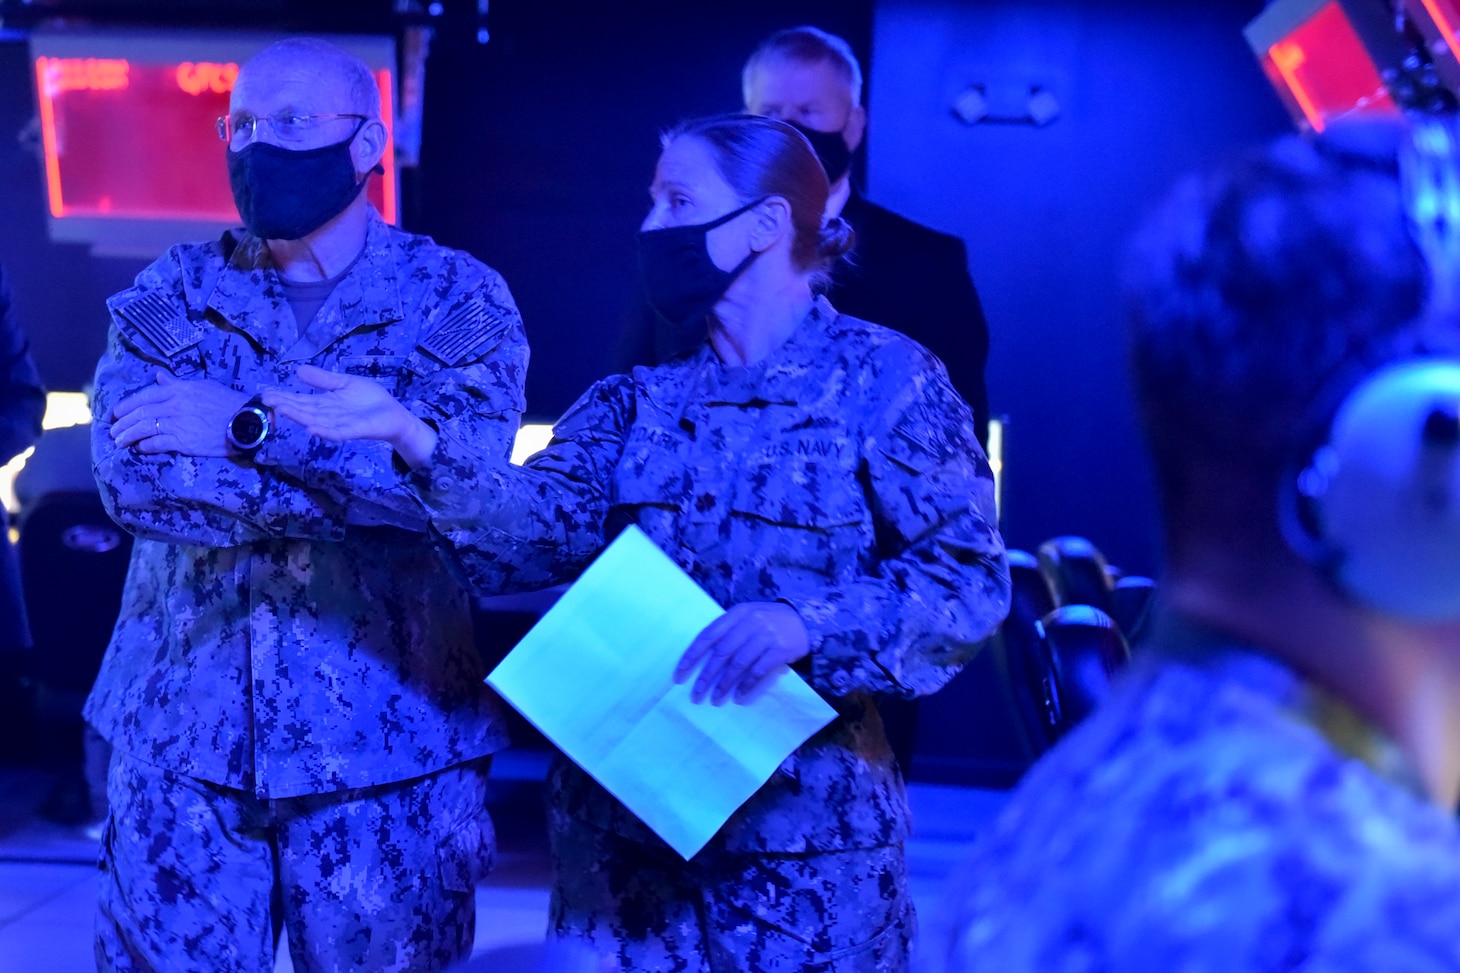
(915, 279)
(901, 274)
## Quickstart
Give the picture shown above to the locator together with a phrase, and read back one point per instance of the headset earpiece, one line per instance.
(1382, 497)
(1377, 507)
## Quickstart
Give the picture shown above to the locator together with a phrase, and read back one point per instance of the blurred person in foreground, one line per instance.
(820, 478)
(301, 731)
(1273, 783)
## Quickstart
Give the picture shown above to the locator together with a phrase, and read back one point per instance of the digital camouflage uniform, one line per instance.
(840, 475)
(1217, 813)
(289, 639)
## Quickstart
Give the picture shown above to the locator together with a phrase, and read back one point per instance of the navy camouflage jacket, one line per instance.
(840, 475)
(1217, 813)
(288, 624)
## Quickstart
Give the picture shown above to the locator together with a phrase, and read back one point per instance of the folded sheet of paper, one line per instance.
(595, 675)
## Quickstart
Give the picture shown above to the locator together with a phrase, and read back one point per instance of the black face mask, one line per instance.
(286, 194)
(830, 148)
(681, 282)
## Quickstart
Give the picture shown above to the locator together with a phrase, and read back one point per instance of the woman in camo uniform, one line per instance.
(820, 478)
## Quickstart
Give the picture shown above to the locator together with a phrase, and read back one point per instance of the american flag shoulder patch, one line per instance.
(466, 328)
(160, 320)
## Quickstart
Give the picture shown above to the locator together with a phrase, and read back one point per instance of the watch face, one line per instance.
(248, 428)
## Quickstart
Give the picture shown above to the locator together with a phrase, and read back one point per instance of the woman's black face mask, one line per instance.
(286, 194)
(681, 282)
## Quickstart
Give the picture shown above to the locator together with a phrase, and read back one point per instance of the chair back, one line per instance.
(1086, 650)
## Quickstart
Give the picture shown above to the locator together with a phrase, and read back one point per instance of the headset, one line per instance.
(1376, 506)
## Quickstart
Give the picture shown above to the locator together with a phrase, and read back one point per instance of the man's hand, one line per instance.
(351, 407)
(176, 415)
(742, 649)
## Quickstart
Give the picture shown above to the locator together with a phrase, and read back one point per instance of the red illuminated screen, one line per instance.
(133, 139)
(1443, 14)
(1325, 68)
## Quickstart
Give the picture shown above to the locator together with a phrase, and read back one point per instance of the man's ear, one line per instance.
(772, 222)
(369, 146)
(856, 127)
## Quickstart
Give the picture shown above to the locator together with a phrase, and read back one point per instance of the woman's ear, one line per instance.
(772, 223)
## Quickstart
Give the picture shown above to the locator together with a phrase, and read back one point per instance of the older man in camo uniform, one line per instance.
(302, 735)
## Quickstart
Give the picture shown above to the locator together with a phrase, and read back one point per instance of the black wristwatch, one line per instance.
(250, 426)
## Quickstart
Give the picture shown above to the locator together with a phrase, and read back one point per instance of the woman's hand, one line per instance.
(742, 649)
(352, 407)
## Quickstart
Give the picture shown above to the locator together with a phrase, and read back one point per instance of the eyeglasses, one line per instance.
(287, 127)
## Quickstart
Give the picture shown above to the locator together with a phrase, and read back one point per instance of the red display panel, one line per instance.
(1446, 20)
(1322, 61)
(1327, 70)
(132, 157)
(1437, 22)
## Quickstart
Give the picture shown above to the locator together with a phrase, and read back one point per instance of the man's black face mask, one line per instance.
(286, 194)
(830, 148)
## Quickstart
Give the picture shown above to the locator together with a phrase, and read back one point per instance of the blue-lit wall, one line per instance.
(1147, 91)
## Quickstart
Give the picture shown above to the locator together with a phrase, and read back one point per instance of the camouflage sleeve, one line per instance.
(474, 362)
(940, 584)
(522, 528)
(188, 499)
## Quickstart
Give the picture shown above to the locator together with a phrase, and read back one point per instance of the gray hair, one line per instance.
(808, 45)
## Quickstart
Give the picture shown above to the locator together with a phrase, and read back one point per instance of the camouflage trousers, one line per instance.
(726, 912)
(196, 876)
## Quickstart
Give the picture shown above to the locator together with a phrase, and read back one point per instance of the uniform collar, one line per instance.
(248, 294)
(781, 376)
(1236, 663)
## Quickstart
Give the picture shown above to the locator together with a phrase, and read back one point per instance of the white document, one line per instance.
(596, 676)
